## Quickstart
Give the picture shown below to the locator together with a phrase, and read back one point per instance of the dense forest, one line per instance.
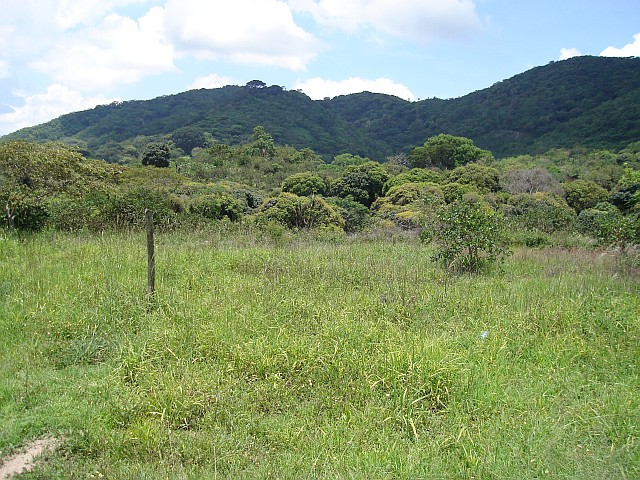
(590, 102)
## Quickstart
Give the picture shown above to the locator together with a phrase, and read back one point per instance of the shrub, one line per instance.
(545, 212)
(304, 184)
(583, 194)
(415, 175)
(485, 179)
(216, 206)
(468, 237)
(299, 212)
(355, 215)
(362, 183)
(453, 192)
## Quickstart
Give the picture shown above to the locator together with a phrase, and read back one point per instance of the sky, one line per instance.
(60, 56)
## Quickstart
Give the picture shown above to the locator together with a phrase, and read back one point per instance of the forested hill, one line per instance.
(584, 101)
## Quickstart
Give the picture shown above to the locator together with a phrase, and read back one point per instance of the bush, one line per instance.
(415, 175)
(545, 212)
(454, 192)
(583, 194)
(299, 212)
(485, 179)
(355, 215)
(468, 237)
(216, 206)
(607, 225)
(304, 184)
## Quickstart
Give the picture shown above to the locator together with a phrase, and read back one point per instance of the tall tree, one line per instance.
(263, 144)
(447, 151)
(156, 154)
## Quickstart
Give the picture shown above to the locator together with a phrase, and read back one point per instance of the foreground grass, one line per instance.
(315, 359)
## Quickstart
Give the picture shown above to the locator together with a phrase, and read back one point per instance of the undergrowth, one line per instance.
(304, 357)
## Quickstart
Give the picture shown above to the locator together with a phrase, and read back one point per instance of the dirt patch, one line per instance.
(24, 461)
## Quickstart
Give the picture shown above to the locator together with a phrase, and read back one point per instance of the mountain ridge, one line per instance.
(591, 102)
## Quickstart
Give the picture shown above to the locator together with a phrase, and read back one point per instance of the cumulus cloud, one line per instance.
(61, 14)
(422, 20)
(118, 51)
(244, 31)
(318, 88)
(566, 53)
(211, 81)
(42, 107)
(629, 50)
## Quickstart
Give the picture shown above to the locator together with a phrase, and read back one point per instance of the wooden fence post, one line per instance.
(151, 256)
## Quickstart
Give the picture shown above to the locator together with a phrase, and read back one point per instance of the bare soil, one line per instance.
(25, 460)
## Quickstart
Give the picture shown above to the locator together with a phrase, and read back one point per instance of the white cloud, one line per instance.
(318, 88)
(629, 50)
(566, 53)
(118, 51)
(40, 108)
(244, 31)
(422, 20)
(210, 81)
(60, 14)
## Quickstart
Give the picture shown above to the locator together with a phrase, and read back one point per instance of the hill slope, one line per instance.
(587, 101)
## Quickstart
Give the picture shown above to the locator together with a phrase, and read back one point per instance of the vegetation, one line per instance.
(300, 328)
(591, 102)
(299, 356)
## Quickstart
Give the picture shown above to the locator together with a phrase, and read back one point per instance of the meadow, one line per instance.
(297, 356)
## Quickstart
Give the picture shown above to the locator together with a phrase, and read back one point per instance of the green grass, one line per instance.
(315, 358)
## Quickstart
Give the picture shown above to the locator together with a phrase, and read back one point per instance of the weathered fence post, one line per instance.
(151, 256)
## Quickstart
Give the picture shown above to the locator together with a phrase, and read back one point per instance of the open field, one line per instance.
(303, 357)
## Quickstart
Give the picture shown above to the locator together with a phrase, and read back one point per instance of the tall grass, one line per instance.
(299, 357)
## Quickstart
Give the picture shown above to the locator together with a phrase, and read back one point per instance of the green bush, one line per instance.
(453, 192)
(583, 194)
(415, 175)
(467, 237)
(216, 206)
(485, 179)
(541, 211)
(355, 215)
(299, 212)
(304, 184)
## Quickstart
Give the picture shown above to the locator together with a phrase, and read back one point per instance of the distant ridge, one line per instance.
(591, 102)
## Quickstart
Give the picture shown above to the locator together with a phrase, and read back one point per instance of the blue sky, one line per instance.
(59, 56)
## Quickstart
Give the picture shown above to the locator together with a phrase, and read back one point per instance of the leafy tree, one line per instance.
(157, 155)
(305, 184)
(362, 183)
(468, 237)
(582, 194)
(262, 145)
(188, 138)
(485, 179)
(447, 151)
(256, 84)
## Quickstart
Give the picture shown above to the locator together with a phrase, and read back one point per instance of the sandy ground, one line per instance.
(25, 460)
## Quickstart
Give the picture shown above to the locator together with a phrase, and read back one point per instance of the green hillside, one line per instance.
(585, 101)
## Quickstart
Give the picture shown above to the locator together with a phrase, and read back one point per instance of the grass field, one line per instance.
(302, 357)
